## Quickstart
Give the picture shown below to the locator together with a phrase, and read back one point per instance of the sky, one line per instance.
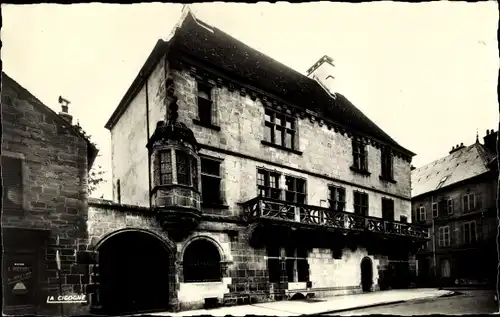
(426, 73)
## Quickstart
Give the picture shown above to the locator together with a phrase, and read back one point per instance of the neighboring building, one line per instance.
(237, 179)
(457, 195)
(44, 167)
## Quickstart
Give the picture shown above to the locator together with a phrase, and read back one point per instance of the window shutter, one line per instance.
(458, 235)
(12, 184)
(479, 201)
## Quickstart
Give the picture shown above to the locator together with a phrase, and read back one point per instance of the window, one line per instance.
(449, 206)
(268, 184)
(359, 155)
(118, 191)
(165, 167)
(403, 219)
(387, 170)
(360, 203)
(444, 236)
(274, 263)
(201, 262)
(435, 210)
(12, 184)
(388, 209)
(279, 129)
(210, 181)
(297, 267)
(206, 111)
(470, 235)
(183, 169)
(295, 190)
(469, 202)
(194, 172)
(336, 198)
(422, 216)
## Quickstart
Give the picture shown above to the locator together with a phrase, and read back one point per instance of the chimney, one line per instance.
(456, 148)
(324, 72)
(64, 110)
(490, 140)
(413, 168)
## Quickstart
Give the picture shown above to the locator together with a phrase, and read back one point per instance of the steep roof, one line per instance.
(221, 51)
(23, 93)
(461, 165)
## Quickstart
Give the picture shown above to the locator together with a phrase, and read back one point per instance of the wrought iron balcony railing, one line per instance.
(268, 208)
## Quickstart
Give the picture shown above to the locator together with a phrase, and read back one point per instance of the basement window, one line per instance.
(201, 262)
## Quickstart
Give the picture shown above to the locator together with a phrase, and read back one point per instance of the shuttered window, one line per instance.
(12, 185)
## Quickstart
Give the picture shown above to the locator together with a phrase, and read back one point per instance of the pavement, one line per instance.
(465, 302)
(325, 305)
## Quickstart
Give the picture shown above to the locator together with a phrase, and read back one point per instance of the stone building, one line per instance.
(44, 167)
(456, 195)
(237, 179)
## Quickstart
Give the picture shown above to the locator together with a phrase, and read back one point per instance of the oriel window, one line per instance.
(279, 129)
(165, 167)
(183, 168)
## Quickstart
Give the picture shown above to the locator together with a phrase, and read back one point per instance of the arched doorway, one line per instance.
(134, 269)
(366, 274)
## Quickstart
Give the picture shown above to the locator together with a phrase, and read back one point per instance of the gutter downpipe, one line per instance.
(433, 240)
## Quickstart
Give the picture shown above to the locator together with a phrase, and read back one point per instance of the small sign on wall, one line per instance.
(67, 299)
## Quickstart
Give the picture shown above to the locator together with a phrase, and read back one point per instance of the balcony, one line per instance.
(276, 211)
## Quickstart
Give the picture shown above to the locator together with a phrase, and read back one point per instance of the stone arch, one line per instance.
(366, 266)
(169, 245)
(223, 255)
(153, 254)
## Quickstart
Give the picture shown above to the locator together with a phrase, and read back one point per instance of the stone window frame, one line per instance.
(359, 156)
(386, 164)
(193, 171)
(219, 177)
(212, 101)
(444, 239)
(294, 192)
(265, 183)
(272, 124)
(25, 172)
(357, 193)
(336, 202)
(221, 263)
(391, 206)
(295, 268)
(118, 190)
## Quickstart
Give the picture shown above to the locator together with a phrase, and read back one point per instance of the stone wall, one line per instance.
(54, 181)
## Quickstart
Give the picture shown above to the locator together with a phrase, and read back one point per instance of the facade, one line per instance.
(45, 162)
(237, 180)
(456, 195)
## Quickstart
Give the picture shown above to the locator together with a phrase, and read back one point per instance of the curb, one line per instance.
(379, 304)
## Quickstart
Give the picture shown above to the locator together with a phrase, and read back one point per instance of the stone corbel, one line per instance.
(220, 82)
(224, 266)
(243, 92)
(253, 96)
(230, 87)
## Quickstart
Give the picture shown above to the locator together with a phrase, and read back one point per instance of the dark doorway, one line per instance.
(366, 274)
(134, 272)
